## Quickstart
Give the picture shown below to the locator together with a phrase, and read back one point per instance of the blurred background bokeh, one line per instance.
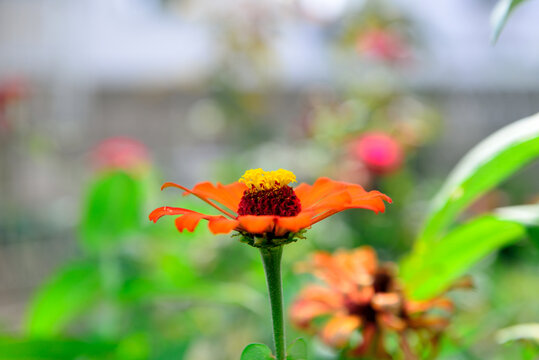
(103, 100)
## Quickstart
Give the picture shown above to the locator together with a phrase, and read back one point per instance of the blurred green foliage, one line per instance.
(433, 271)
(14, 348)
(113, 208)
(438, 257)
(72, 290)
(143, 291)
(127, 296)
(484, 167)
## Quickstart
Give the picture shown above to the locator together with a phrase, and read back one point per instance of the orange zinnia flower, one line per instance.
(265, 210)
(359, 295)
(268, 213)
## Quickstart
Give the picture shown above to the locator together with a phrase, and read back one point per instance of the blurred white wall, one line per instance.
(129, 42)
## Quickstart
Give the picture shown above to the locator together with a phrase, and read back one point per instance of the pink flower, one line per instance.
(381, 44)
(380, 152)
(120, 153)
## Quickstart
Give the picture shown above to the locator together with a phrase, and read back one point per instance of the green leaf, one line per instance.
(53, 349)
(500, 14)
(527, 215)
(172, 350)
(112, 210)
(256, 352)
(135, 346)
(533, 233)
(485, 166)
(71, 291)
(297, 350)
(429, 272)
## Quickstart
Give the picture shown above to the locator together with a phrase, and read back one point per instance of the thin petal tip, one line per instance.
(156, 214)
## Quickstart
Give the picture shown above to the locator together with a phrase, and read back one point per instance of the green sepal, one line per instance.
(269, 240)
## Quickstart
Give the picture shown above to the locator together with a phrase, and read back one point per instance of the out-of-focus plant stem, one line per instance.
(271, 258)
(111, 283)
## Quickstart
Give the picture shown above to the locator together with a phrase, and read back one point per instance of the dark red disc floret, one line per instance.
(281, 201)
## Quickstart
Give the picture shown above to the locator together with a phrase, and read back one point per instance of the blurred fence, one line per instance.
(27, 256)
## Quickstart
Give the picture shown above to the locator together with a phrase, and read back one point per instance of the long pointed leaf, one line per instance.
(427, 274)
(65, 296)
(485, 166)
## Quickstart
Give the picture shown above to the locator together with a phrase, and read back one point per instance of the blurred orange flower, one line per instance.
(361, 295)
(263, 208)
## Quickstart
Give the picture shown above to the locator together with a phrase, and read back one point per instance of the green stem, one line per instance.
(271, 258)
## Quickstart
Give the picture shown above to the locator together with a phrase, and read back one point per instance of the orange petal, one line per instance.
(228, 195)
(336, 201)
(303, 312)
(359, 264)
(328, 269)
(222, 225)
(338, 330)
(364, 260)
(354, 279)
(188, 221)
(351, 273)
(372, 200)
(357, 192)
(376, 205)
(302, 191)
(293, 223)
(314, 301)
(324, 216)
(167, 210)
(310, 195)
(361, 295)
(255, 224)
(321, 294)
(200, 195)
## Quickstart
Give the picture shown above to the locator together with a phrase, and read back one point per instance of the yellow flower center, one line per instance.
(258, 179)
